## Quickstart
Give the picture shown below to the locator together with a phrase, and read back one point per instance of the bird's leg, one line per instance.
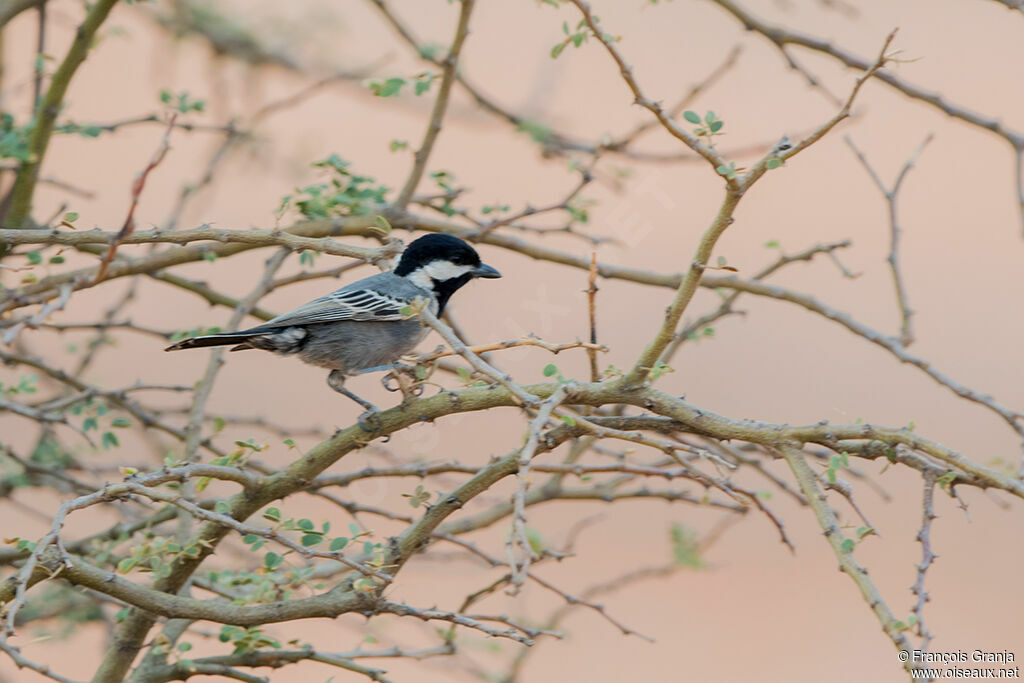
(378, 368)
(368, 421)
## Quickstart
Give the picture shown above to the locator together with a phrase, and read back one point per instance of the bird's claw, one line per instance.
(387, 380)
(370, 422)
(403, 378)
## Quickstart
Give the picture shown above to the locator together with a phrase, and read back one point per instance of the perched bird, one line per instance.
(360, 327)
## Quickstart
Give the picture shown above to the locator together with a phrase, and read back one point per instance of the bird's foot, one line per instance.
(403, 378)
(369, 421)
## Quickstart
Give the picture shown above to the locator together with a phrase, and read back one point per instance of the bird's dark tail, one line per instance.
(222, 339)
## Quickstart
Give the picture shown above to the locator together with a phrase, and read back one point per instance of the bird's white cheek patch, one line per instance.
(440, 271)
(446, 270)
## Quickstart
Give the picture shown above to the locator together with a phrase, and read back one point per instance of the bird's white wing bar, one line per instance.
(354, 304)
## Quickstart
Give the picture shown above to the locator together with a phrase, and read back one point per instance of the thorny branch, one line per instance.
(691, 444)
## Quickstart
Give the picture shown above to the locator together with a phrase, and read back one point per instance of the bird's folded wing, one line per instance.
(351, 304)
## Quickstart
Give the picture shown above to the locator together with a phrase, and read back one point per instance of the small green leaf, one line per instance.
(311, 539)
(946, 480)
(389, 88)
(70, 217)
(557, 49)
(35, 257)
(121, 422)
(691, 116)
(685, 546)
(273, 514)
(272, 560)
(222, 507)
(464, 374)
(338, 543)
(848, 545)
(550, 370)
(305, 524)
(709, 117)
(382, 224)
(716, 126)
(110, 440)
(773, 163)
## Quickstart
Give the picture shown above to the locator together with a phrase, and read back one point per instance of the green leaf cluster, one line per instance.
(345, 193)
(183, 103)
(574, 37)
(14, 139)
(392, 87)
(247, 639)
(707, 127)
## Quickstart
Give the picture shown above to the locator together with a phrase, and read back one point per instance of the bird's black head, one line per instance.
(442, 264)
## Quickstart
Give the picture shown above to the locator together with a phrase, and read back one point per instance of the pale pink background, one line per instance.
(757, 612)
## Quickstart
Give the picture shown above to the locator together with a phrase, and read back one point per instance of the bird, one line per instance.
(365, 326)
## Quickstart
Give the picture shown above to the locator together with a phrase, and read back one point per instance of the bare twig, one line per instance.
(519, 538)
(782, 37)
(475, 361)
(512, 344)
(448, 70)
(138, 185)
(891, 195)
(595, 373)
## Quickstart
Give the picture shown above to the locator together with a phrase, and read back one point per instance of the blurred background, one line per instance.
(754, 610)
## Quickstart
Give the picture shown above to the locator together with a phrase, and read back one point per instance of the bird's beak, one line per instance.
(484, 270)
